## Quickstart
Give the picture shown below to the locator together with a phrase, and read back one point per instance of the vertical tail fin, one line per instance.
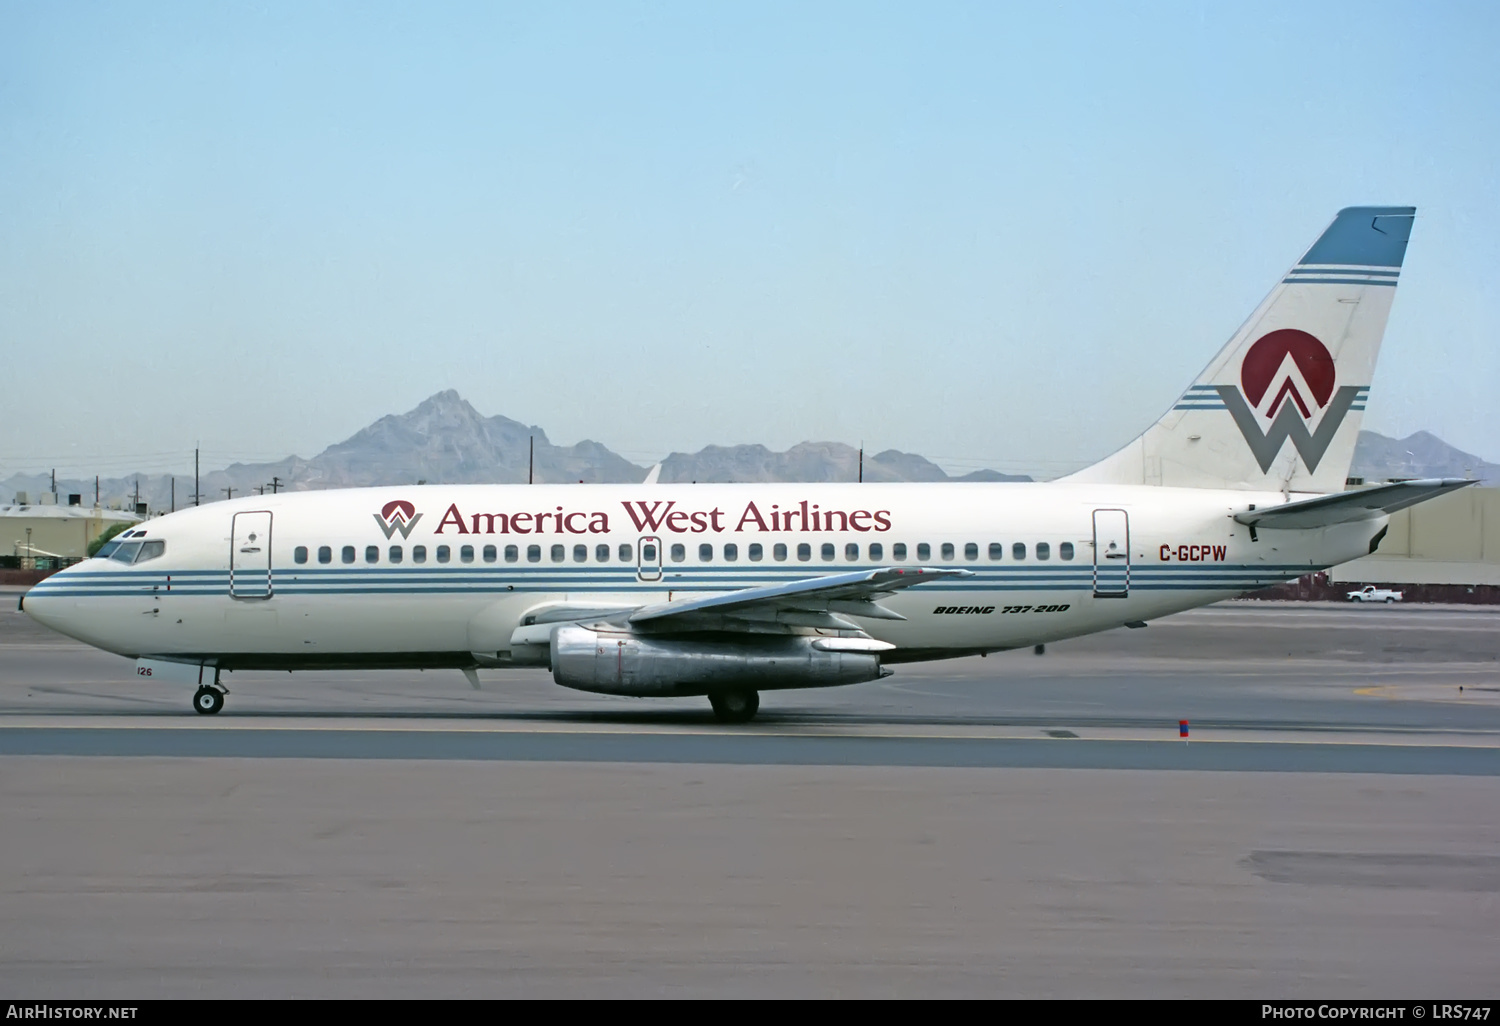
(1279, 408)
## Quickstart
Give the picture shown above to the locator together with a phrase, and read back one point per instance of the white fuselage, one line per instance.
(330, 580)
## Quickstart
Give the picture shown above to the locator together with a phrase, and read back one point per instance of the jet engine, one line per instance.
(627, 663)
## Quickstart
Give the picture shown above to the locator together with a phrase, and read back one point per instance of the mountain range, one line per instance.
(444, 439)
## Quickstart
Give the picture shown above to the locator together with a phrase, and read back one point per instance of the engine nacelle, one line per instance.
(633, 664)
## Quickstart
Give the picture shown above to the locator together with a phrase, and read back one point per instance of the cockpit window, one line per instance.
(126, 552)
(150, 550)
(107, 549)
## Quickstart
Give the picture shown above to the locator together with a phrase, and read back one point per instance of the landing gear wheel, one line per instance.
(735, 706)
(208, 700)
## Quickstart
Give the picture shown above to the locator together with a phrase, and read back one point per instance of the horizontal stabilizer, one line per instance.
(1346, 507)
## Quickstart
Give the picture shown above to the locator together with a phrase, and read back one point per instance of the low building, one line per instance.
(1452, 540)
(50, 532)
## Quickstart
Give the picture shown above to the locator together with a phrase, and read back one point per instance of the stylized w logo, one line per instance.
(398, 515)
(1288, 424)
(397, 525)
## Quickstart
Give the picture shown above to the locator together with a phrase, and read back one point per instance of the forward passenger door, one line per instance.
(250, 556)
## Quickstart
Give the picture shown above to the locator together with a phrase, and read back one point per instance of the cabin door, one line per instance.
(1111, 553)
(648, 559)
(250, 556)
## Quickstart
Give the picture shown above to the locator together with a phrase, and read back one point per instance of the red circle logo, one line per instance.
(402, 509)
(1264, 362)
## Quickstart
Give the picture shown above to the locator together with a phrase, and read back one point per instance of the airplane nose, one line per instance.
(44, 604)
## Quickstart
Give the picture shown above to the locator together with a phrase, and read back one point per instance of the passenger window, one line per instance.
(755, 552)
(705, 553)
(372, 553)
(559, 553)
(580, 553)
(1043, 550)
(126, 552)
(325, 554)
(1018, 550)
(299, 554)
(678, 553)
(625, 554)
(947, 551)
(804, 552)
(443, 553)
(1065, 550)
(851, 552)
(512, 553)
(997, 550)
(419, 553)
(971, 550)
(648, 552)
(155, 548)
(877, 550)
(348, 554)
(395, 554)
(778, 552)
(924, 552)
(466, 554)
(731, 552)
(898, 552)
(490, 554)
(533, 553)
(826, 550)
(601, 553)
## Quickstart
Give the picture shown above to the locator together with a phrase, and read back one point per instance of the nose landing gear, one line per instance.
(209, 698)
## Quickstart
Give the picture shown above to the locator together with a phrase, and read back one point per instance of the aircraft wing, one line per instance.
(815, 602)
(1345, 507)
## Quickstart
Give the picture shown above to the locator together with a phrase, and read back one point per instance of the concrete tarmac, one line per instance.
(1013, 826)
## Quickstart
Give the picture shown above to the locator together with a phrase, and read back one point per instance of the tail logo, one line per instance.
(1288, 377)
(397, 515)
(1263, 366)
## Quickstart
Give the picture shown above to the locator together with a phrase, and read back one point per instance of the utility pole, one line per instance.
(195, 477)
(275, 484)
(54, 480)
(96, 491)
(228, 492)
(861, 462)
(531, 464)
(260, 489)
(174, 494)
(137, 495)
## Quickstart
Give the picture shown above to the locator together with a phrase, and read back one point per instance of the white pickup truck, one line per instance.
(1370, 593)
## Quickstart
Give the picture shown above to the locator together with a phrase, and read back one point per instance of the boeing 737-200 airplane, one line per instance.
(728, 590)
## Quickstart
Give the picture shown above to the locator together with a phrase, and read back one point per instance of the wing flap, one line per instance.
(1347, 507)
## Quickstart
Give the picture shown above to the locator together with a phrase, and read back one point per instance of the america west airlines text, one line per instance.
(663, 515)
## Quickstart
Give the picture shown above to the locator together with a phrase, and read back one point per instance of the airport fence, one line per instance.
(48, 563)
(1318, 588)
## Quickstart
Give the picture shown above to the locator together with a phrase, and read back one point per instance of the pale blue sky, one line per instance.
(994, 234)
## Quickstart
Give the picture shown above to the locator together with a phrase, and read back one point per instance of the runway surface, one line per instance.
(1020, 825)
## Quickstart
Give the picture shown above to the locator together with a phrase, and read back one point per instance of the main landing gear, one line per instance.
(735, 706)
(209, 698)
